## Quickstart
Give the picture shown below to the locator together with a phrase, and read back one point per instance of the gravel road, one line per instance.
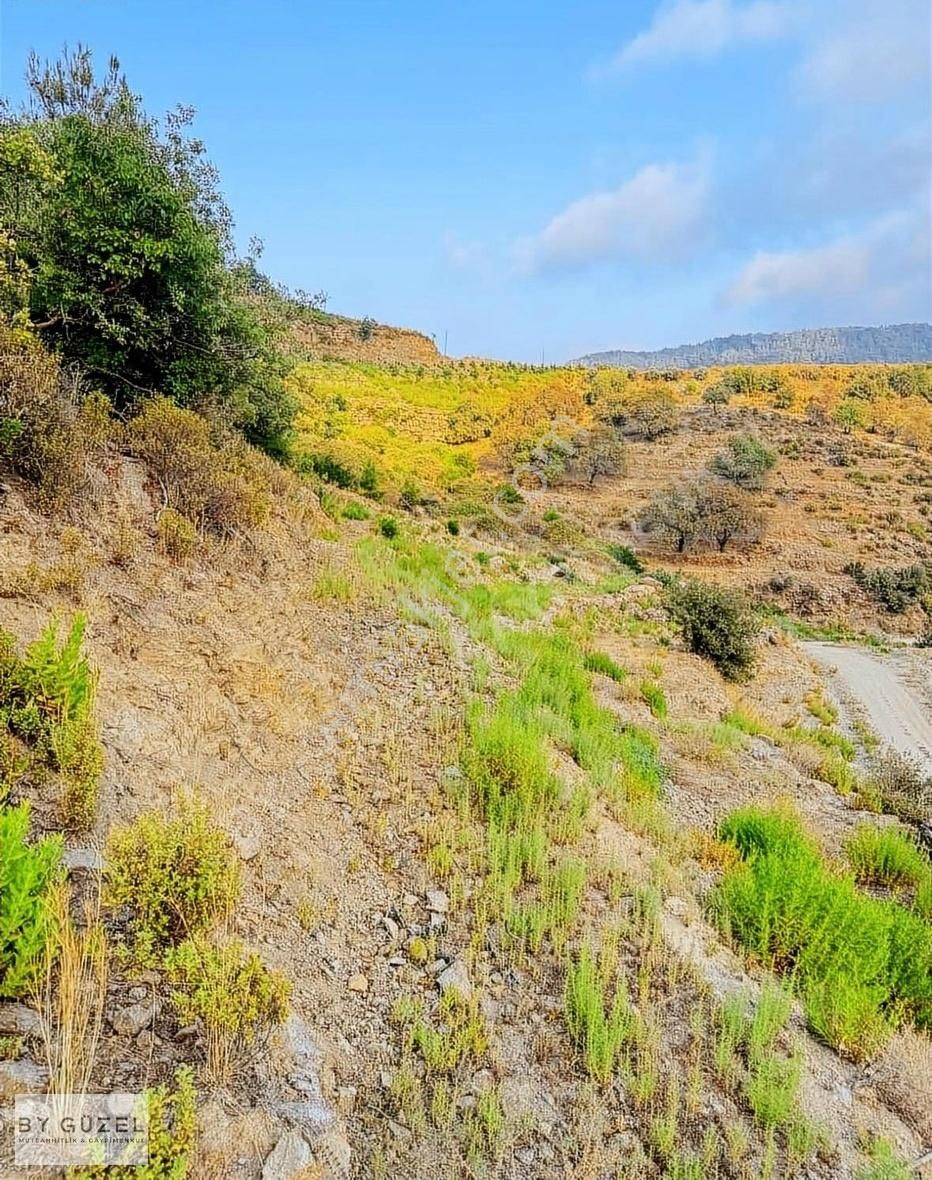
(894, 692)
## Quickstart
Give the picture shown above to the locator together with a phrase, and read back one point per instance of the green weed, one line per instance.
(887, 856)
(172, 1137)
(600, 1025)
(860, 963)
(654, 697)
(28, 873)
(603, 665)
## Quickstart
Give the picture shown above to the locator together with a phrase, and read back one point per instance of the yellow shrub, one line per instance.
(219, 484)
(177, 535)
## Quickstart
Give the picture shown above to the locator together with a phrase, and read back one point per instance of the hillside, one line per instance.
(894, 343)
(460, 770)
(446, 770)
(324, 336)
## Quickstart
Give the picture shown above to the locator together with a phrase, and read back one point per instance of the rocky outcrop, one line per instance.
(330, 337)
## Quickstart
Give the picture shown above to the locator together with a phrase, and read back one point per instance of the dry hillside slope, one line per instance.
(478, 790)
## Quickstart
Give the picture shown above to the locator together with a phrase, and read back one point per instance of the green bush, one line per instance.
(626, 557)
(214, 479)
(643, 773)
(600, 1029)
(654, 697)
(231, 992)
(178, 876)
(884, 1164)
(27, 874)
(388, 527)
(745, 462)
(50, 426)
(328, 468)
(860, 963)
(717, 394)
(646, 414)
(717, 624)
(702, 512)
(896, 588)
(900, 785)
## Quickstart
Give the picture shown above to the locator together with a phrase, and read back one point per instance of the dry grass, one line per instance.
(72, 990)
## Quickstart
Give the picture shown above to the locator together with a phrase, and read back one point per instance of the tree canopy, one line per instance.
(118, 251)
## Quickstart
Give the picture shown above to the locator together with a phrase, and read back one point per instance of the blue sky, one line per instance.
(551, 177)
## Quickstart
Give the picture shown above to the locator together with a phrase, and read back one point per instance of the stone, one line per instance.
(358, 983)
(391, 927)
(129, 1021)
(333, 1151)
(346, 1099)
(400, 1131)
(455, 978)
(22, 1077)
(87, 860)
(18, 1020)
(247, 846)
(312, 1117)
(386, 1077)
(409, 900)
(304, 1061)
(491, 1008)
(288, 1158)
(437, 901)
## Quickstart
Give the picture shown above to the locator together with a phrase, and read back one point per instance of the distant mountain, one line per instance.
(897, 343)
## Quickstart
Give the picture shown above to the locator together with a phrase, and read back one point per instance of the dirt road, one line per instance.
(894, 693)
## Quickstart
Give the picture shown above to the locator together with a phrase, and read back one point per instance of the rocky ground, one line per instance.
(324, 733)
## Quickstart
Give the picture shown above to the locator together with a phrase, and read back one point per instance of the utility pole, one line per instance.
(444, 342)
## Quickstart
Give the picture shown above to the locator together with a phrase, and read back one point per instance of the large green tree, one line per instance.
(116, 220)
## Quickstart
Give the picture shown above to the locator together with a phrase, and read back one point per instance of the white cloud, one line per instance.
(864, 50)
(657, 214)
(702, 28)
(886, 261)
(824, 270)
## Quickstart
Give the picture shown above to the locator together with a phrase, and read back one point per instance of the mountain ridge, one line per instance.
(888, 343)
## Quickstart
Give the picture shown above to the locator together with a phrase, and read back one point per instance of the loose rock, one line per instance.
(18, 1020)
(22, 1077)
(288, 1158)
(437, 901)
(247, 846)
(128, 1022)
(455, 978)
(358, 983)
(86, 860)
